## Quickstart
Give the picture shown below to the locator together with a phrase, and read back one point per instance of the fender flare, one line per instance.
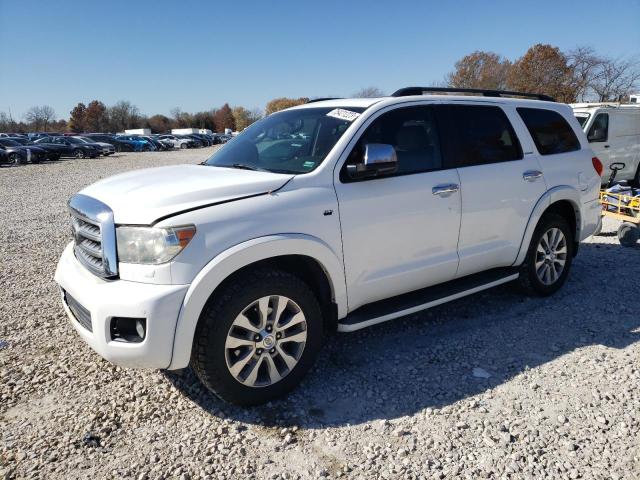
(561, 192)
(239, 256)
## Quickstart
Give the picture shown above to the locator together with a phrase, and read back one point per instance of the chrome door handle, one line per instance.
(531, 175)
(445, 188)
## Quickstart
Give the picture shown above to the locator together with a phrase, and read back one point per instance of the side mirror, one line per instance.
(379, 159)
(597, 135)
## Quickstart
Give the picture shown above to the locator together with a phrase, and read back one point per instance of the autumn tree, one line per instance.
(77, 120)
(244, 117)
(368, 92)
(485, 70)
(223, 118)
(95, 116)
(281, 103)
(543, 69)
(40, 117)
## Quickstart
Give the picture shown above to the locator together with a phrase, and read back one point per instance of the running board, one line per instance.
(412, 302)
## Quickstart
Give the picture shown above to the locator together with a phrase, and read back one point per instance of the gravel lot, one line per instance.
(492, 386)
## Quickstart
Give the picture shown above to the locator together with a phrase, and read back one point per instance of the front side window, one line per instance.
(412, 132)
(292, 141)
(550, 131)
(485, 135)
(599, 131)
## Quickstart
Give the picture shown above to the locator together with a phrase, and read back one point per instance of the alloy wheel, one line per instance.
(266, 341)
(551, 256)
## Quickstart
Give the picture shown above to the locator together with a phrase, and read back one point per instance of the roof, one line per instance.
(384, 101)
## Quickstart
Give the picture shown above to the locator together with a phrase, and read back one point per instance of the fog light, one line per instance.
(127, 329)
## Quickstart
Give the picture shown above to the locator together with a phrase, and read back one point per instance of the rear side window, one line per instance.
(485, 135)
(550, 131)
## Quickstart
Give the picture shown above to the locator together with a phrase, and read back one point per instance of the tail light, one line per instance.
(597, 165)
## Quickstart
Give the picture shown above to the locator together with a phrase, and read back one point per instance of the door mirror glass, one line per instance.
(378, 159)
(597, 135)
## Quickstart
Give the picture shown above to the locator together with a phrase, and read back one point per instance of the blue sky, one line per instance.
(199, 54)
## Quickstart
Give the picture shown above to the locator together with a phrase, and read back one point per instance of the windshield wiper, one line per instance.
(244, 166)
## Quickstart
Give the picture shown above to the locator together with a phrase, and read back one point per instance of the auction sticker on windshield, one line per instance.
(342, 114)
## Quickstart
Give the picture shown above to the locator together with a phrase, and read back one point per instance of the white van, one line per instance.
(613, 132)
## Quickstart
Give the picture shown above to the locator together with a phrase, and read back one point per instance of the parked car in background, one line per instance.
(4, 156)
(106, 148)
(120, 145)
(178, 141)
(18, 153)
(224, 138)
(144, 146)
(168, 144)
(613, 131)
(69, 147)
(52, 153)
(199, 143)
(369, 210)
(153, 141)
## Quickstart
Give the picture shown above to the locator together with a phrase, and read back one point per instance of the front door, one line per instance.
(400, 231)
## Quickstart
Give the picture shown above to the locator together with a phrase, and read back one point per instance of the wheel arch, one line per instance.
(563, 200)
(308, 257)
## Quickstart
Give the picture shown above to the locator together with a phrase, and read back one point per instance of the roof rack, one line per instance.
(323, 99)
(408, 91)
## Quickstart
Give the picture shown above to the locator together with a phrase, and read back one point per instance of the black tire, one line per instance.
(183, 146)
(529, 279)
(598, 230)
(15, 159)
(628, 234)
(119, 148)
(78, 153)
(208, 355)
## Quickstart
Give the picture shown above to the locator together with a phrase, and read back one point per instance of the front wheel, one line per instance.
(257, 337)
(183, 146)
(549, 257)
(628, 234)
(78, 153)
(15, 159)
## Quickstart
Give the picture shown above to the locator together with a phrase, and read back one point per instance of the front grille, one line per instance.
(88, 243)
(94, 235)
(81, 314)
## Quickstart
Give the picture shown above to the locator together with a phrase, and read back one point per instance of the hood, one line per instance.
(144, 196)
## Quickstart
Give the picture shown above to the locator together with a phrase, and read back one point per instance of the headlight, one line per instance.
(152, 245)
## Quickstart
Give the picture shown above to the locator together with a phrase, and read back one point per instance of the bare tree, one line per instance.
(586, 66)
(616, 79)
(368, 92)
(40, 117)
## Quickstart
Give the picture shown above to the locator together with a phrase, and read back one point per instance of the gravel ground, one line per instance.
(492, 386)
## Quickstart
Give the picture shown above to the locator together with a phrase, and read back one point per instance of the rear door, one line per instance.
(501, 180)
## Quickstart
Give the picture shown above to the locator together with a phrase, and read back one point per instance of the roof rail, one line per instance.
(323, 99)
(408, 91)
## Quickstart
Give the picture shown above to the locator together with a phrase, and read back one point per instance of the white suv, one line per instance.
(336, 214)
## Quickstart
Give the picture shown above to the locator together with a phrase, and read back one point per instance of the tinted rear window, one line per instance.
(550, 131)
(485, 135)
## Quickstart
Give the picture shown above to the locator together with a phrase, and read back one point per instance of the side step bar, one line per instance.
(412, 302)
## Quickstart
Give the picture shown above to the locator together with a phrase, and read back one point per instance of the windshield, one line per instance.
(292, 141)
(582, 118)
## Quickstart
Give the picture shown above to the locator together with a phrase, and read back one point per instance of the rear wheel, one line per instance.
(183, 146)
(549, 257)
(628, 234)
(257, 337)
